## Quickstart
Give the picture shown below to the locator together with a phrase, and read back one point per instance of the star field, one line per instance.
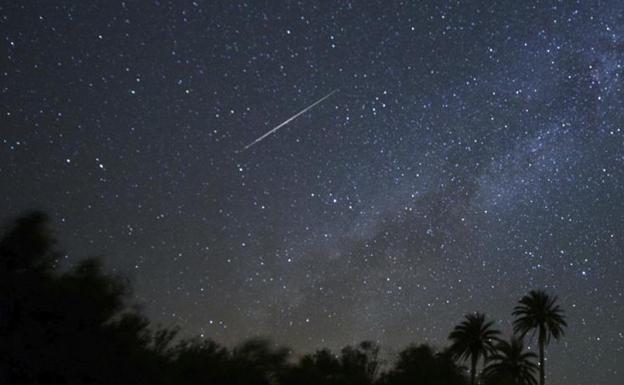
(473, 151)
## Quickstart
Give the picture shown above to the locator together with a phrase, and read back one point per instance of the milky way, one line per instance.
(474, 152)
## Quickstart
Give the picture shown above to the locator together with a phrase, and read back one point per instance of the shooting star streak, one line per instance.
(289, 119)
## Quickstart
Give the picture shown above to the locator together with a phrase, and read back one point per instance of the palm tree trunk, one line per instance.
(473, 370)
(541, 357)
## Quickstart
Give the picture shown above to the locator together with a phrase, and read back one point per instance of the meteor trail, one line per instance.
(289, 119)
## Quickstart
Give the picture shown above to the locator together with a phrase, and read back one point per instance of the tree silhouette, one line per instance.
(27, 246)
(66, 328)
(421, 365)
(538, 311)
(201, 361)
(360, 365)
(76, 326)
(319, 368)
(258, 361)
(472, 339)
(511, 365)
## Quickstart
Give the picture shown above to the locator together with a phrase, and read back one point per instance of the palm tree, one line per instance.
(472, 339)
(539, 312)
(511, 364)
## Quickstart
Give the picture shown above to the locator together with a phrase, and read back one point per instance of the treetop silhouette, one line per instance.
(79, 327)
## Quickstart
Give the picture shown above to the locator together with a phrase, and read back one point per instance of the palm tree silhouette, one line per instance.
(511, 364)
(472, 339)
(539, 312)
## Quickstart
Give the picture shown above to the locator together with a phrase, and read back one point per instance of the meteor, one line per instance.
(289, 119)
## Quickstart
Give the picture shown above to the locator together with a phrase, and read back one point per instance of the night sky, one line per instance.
(472, 152)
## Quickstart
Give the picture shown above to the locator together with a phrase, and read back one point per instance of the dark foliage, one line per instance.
(319, 368)
(473, 339)
(511, 365)
(77, 327)
(539, 312)
(66, 328)
(421, 365)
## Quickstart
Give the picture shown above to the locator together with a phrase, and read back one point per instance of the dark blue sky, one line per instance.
(473, 151)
